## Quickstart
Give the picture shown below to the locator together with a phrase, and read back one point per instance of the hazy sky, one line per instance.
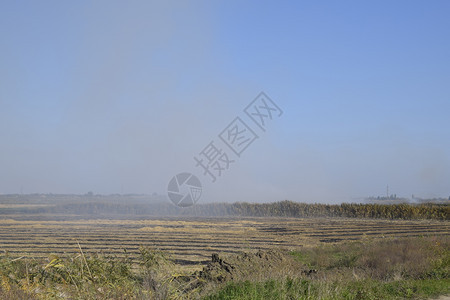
(119, 96)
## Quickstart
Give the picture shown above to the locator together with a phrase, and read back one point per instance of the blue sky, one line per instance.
(117, 97)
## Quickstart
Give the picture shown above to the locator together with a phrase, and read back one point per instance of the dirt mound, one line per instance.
(217, 270)
(242, 265)
(260, 265)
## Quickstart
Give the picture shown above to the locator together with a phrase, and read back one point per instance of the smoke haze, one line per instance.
(114, 97)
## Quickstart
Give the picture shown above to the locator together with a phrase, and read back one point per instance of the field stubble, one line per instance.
(192, 241)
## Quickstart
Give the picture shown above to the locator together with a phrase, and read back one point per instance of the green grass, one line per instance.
(411, 268)
(309, 289)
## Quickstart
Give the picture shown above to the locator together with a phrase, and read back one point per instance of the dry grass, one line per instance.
(371, 268)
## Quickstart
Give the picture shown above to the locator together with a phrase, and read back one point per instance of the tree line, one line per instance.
(346, 210)
(275, 209)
